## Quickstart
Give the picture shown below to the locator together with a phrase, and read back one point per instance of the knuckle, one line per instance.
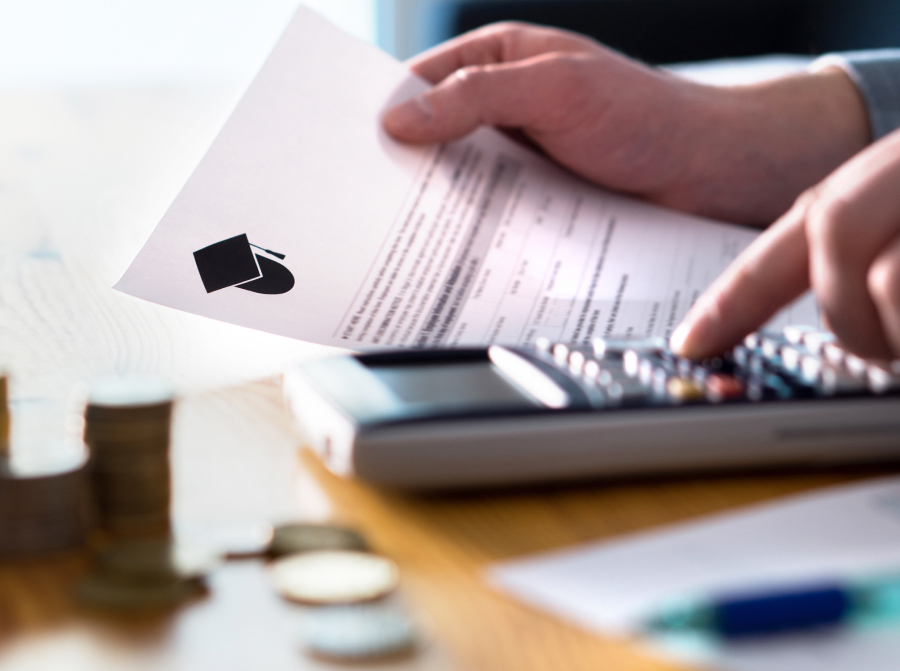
(510, 27)
(469, 80)
(830, 227)
(883, 281)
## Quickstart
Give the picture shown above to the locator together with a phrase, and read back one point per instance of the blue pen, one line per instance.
(762, 612)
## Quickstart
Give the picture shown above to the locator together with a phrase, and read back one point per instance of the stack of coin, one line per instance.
(127, 429)
(145, 574)
(330, 568)
(44, 503)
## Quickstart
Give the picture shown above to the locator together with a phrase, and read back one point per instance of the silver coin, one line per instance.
(358, 632)
(334, 576)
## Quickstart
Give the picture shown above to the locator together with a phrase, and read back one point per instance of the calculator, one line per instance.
(501, 415)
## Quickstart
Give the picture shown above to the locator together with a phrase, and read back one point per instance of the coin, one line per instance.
(300, 537)
(358, 632)
(334, 576)
(100, 591)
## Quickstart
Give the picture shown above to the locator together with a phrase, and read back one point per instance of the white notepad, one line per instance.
(608, 587)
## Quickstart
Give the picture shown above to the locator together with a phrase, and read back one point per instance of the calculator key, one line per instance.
(770, 386)
(682, 389)
(659, 380)
(816, 341)
(882, 378)
(833, 353)
(699, 374)
(625, 392)
(723, 387)
(560, 353)
(591, 371)
(756, 365)
(790, 358)
(794, 334)
(857, 366)
(741, 355)
(542, 345)
(751, 341)
(685, 367)
(631, 362)
(810, 368)
(771, 346)
(837, 380)
(645, 372)
(576, 362)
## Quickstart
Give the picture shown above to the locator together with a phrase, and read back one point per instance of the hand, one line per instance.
(736, 153)
(842, 238)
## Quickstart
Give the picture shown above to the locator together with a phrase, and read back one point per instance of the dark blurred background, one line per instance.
(669, 31)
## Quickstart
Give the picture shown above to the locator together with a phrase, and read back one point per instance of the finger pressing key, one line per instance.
(771, 272)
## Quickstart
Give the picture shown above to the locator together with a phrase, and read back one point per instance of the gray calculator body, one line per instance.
(425, 419)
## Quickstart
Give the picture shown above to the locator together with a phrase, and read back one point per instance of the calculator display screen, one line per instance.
(453, 386)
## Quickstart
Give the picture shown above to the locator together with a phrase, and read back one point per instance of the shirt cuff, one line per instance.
(876, 74)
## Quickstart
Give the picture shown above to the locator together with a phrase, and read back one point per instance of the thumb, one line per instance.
(507, 94)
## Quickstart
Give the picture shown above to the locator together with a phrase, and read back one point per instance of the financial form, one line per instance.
(305, 219)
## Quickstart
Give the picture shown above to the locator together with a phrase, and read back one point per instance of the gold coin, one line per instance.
(334, 576)
(291, 538)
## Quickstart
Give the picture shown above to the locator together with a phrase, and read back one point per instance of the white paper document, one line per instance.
(609, 587)
(306, 220)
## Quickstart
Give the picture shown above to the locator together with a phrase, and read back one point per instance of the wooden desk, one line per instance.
(83, 179)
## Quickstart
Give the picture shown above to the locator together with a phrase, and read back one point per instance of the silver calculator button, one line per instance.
(576, 363)
(560, 353)
(857, 366)
(591, 371)
(882, 378)
(796, 333)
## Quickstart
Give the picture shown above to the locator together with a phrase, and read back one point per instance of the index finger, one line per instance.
(497, 43)
(769, 274)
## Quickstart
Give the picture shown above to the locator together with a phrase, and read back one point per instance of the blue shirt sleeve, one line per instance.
(876, 74)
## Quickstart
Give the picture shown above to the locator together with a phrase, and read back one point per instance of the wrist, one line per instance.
(755, 148)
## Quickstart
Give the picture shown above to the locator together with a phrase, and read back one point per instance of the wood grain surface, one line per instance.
(84, 176)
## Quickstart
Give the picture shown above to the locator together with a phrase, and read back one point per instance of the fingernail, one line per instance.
(679, 335)
(410, 115)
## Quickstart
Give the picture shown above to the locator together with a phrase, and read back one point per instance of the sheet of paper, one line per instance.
(608, 587)
(305, 219)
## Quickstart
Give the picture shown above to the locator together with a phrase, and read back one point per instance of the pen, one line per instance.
(782, 609)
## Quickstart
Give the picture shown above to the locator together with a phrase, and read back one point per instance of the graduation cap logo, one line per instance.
(231, 263)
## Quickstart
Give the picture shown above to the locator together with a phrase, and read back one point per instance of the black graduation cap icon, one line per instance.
(232, 263)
